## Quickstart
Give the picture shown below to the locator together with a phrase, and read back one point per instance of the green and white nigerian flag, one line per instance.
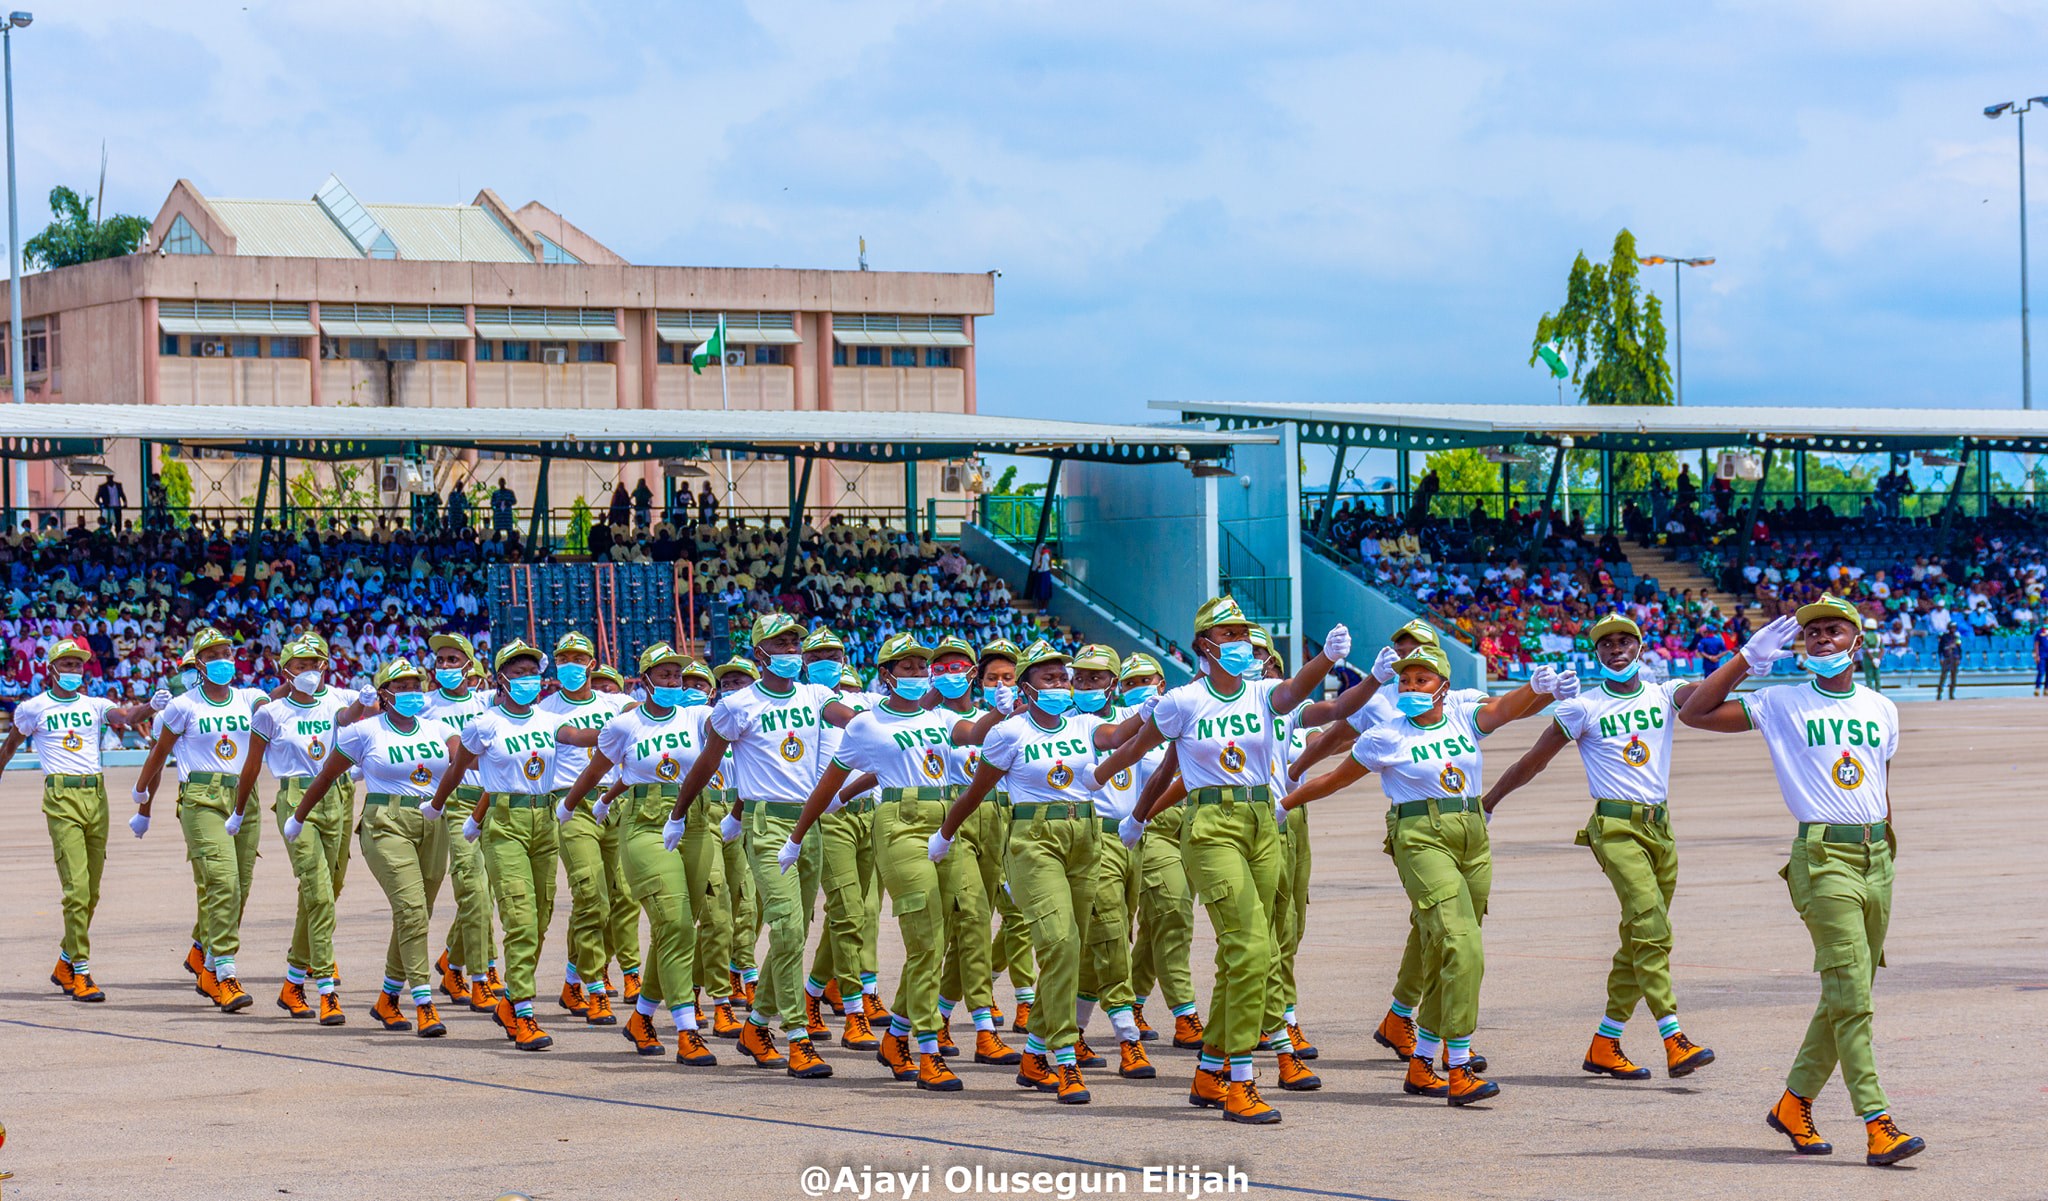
(712, 351)
(1552, 354)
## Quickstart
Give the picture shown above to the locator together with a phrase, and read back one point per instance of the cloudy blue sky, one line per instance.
(1186, 200)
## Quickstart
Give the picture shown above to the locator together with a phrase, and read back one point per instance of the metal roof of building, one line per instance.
(284, 229)
(1635, 427)
(455, 233)
(341, 432)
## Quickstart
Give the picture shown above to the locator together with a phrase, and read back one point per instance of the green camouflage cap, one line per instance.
(1140, 665)
(821, 639)
(660, 653)
(399, 668)
(1096, 657)
(1219, 611)
(1425, 656)
(515, 649)
(770, 625)
(901, 646)
(1041, 652)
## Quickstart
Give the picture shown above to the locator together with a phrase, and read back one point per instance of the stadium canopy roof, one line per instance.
(620, 435)
(1635, 427)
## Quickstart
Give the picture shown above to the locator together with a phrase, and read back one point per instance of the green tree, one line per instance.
(1612, 334)
(76, 237)
(580, 521)
(177, 480)
(1464, 475)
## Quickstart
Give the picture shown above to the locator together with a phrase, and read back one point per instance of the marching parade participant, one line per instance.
(840, 862)
(622, 917)
(1166, 910)
(403, 756)
(1831, 745)
(469, 958)
(209, 729)
(1430, 767)
(773, 728)
(968, 976)
(1106, 955)
(650, 747)
(577, 704)
(1623, 732)
(64, 727)
(512, 746)
(1010, 948)
(1290, 898)
(292, 736)
(744, 935)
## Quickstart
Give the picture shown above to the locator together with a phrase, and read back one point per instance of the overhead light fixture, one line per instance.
(682, 469)
(85, 467)
(1935, 458)
(1504, 456)
(1207, 470)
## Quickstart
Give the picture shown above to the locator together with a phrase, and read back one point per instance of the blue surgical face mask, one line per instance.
(220, 671)
(1140, 694)
(1091, 700)
(449, 677)
(573, 676)
(789, 667)
(952, 685)
(824, 672)
(1055, 700)
(1415, 704)
(670, 697)
(70, 681)
(1621, 675)
(408, 704)
(911, 688)
(1237, 658)
(524, 690)
(189, 678)
(1825, 666)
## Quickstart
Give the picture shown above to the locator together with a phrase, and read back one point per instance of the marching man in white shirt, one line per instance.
(1831, 745)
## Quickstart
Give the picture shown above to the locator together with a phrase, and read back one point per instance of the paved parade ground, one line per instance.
(154, 1094)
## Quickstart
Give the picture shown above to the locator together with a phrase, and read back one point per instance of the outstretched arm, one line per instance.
(1523, 770)
(701, 771)
(1347, 773)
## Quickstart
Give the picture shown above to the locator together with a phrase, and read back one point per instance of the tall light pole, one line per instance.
(17, 368)
(1995, 111)
(1677, 306)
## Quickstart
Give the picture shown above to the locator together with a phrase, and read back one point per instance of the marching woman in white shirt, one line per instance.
(1430, 767)
(1831, 745)
(403, 757)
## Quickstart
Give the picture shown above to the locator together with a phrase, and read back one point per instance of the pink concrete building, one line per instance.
(330, 301)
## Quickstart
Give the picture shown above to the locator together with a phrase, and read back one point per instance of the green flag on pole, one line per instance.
(1552, 355)
(712, 351)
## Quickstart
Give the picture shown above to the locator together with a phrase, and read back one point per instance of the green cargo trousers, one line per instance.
(222, 867)
(1106, 962)
(319, 859)
(905, 820)
(75, 810)
(710, 896)
(1051, 869)
(1281, 914)
(1010, 950)
(470, 941)
(1843, 892)
(1231, 849)
(1408, 978)
(520, 853)
(622, 917)
(580, 841)
(659, 881)
(780, 991)
(409, 857)
(1641, 862)
(745, 935)
(969, 974)
(1166, 913)
(846, 874)
(1446, 866)
(1297, 824)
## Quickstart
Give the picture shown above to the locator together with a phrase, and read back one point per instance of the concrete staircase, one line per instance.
(1676, 576)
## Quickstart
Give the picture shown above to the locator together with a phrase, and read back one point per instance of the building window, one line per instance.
(483, 351)
(938, 356)
(516, 352)
(665, 353)
(286, 348)
(401, 350)
(37, 347)
(362, 348)
(243, 346)
(839, 356)
(181, 238)
(903, 356)
(867, 356)
(170, 344)
(440, 349)
(768, 356)
(590, 352)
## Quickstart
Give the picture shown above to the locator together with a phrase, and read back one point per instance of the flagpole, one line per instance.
(724, 406)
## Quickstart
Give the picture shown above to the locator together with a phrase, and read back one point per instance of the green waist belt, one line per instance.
(71, 781)
(859, 805)
(211, 777)
(1874, 832)
(1109, 824)
(372, 800)
(1000, 798)
(1449, 804)
(1230, 796)
(914, 794)
(523, 800)
(1630, 810)
(1051, 810)
(656, 791)
(777, 808)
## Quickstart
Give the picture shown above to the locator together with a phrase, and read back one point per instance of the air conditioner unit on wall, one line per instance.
(1736, 465)
(736, 357)
(554, 355)
(212, 350)
(953, 478)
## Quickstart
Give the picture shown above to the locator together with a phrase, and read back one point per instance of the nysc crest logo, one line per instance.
(1452, 777)
(933, 764)
(1121, 781)
(1060, 776)
(420, 774)
(224, 749)
(792, 748)
(668, 771)
(71, 741)
(1847, 772)
(1636, 752)
(1231, 758)
(316, 750)
(534, 768)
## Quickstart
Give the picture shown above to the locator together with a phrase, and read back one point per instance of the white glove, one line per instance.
(160, 700)
(1567, 685)
(470, 830)
(1151, 703)
(1756, 672)
(600, 809)
(836, 804)
(234, 824)
(1002, 698)
(786, 857)
(1543, 680)
(562, 811)
(728, 828)
(1130, 830)
(1280, 814)
(367, 698)
(139, 824)
(938, 846)
(1771, 643)
(672, 832)
(430, 811)
(1337, 643)
(1383, 664)
(141, 796)
(292, 828)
